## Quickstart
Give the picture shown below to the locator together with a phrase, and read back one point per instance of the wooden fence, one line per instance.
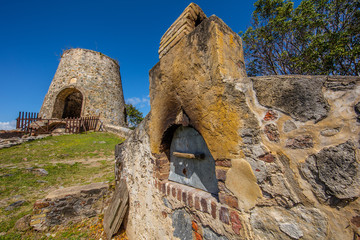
(76, 125)
(72, 125)
(25, 119)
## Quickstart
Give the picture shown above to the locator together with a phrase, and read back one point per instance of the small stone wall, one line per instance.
(13, 141)
(120, 131)
(69, 204)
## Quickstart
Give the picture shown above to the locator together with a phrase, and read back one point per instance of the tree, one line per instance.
(133, 115)
(317, 37)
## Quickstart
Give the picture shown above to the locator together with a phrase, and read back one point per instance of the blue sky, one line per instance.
(34, 33)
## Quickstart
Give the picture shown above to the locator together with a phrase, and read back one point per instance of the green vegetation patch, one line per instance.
(75, 146)
(30, 171)
(27, 180)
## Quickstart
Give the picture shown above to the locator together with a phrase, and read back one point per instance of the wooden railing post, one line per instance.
(18, 121)
(22, 121)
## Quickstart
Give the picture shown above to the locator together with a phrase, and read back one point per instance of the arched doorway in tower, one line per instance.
(68, 104)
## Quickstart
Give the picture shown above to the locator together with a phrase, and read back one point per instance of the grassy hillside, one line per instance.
(69, 160)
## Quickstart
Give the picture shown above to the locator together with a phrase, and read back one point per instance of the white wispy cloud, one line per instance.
(8, 125)
(139, 102)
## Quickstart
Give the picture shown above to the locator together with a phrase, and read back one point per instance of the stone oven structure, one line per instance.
(86, 83)
(226, 156)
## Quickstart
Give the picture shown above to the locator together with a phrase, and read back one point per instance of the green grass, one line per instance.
(62, 147)
(23, 181)
(69, 160)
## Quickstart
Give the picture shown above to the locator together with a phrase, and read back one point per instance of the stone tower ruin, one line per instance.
(86, 83)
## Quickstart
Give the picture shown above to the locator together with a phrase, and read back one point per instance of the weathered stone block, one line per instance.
(184, 197)
(179, 194)
(23, 223)
(310, 223)
(221, 174)
(270, 115)
(289, 126)
(235, 222)
(222, 186)
(300, 142)
(269, 158)
(223, 162)
(195, 226)
(36, 221)
(163, 187)
(224, 215)
(209, 234)
(198, 236)
(248, 191)
(340, 83)
(272, 132)
(356, 221)
(249, 136)
(334, 171)
(292, 230)
(329, 132)
(213, 210)
(197, 203)
(15, 205)
(168, 190)
(173, 191)
(190, 200)
(182, 224)
(229, 200)
(300, 97)
(167, 203)
(204, 205)
(68, 204)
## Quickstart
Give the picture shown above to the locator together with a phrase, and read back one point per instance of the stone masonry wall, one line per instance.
(307, 172)
(97, 77)
(69, 205)
(286, 148)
